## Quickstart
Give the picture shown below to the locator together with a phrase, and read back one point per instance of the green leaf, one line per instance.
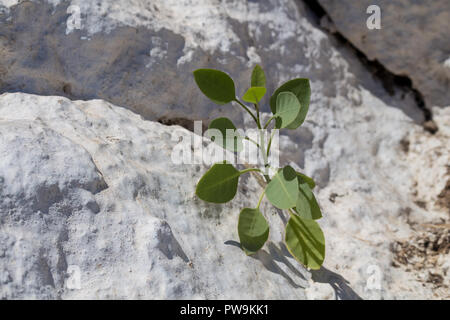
(282, 190)
(218, 184)
(258, 77)
(301, 88)
(307, 179)
(305, 241)
(231, 141)
(253, 230)
(288, 107)
(216, 85)
(254, 94)
(307, 206)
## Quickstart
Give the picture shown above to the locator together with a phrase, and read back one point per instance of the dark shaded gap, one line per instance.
(182, 122)
(389, 80)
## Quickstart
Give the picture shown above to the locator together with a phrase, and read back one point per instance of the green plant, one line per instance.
(286, 189)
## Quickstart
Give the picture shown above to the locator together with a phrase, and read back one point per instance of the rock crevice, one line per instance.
(391, 82)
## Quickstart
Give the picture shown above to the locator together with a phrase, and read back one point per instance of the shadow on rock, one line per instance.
(339, 284)
(279, 254)
(270, 261)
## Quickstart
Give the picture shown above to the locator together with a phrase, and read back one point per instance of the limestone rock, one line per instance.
(90, 189)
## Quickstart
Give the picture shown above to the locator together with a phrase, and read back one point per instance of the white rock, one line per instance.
(89, 186)
(93, 187)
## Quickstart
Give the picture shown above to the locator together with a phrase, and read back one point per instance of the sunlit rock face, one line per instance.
(92, 206)
(90, 190)
(89, 187)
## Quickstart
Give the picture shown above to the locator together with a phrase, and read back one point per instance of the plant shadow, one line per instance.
(274, 255)
(340, 285)
(269, 260)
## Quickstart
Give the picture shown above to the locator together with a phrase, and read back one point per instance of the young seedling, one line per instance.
(286, 189)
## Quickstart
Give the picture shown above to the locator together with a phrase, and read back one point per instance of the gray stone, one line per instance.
(141, 55)
(413, 40)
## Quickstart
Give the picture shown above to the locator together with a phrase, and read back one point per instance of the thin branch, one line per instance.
(260, 198)
(246, 109)
(270, 141)
(268, 121)
(249, 169)
(257, 115)
(251, 140)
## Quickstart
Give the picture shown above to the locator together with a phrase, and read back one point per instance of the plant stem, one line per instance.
(270, 142)
(251, 113)
(249, 169)
(260, 198)
(262, 149)
(268, 121)
(257, 115)
(251, 140)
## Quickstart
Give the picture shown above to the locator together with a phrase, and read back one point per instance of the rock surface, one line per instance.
(413, 40)
(91, 186)
(141, 54)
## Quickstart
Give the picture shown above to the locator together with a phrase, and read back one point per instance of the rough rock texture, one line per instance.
(413, 40)
(92, 185)
(141, 54)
